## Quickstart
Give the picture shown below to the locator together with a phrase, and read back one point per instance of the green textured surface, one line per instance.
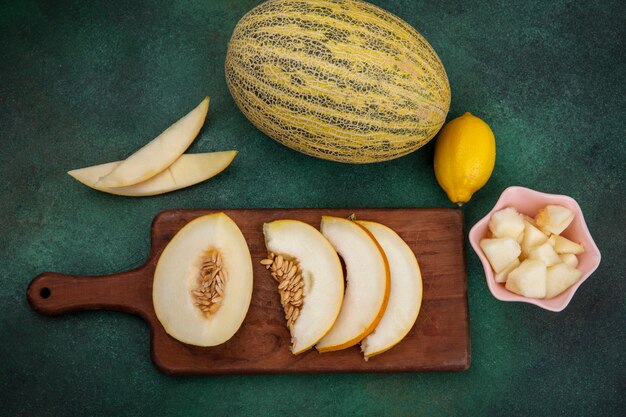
(83, 83)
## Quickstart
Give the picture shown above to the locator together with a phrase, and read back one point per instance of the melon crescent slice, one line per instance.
(367, 283)
(179, 274)
(187, 170)
(159, 153)
(321, 274)
(405, 297)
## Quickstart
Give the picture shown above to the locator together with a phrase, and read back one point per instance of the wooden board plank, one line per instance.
(439, 341)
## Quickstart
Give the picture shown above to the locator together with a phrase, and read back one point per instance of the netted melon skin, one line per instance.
(339, 80)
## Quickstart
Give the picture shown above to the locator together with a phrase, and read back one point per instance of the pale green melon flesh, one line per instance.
(405, 297)
(187, 170)
(176, 275)
(159, 153)
(322, 276)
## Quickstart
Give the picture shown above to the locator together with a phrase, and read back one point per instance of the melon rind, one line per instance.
(405, 298)
(367, 283)
(344, 81)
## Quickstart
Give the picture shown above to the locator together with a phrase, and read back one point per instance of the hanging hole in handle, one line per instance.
(45, 292)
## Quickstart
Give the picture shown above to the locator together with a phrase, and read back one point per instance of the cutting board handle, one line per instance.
(52, 294)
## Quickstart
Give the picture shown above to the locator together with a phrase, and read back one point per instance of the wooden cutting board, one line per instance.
(439, 341)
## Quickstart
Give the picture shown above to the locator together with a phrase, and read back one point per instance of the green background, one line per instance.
(83, 83)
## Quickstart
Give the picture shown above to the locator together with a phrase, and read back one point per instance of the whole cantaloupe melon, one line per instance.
(339, 80)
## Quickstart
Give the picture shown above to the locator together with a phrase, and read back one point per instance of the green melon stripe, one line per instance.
(313, 148)
(250, 99)
(385, 30)
(349, 128)
(260, 78)
(378, 115)
(295, 104)
(335, 63)
(320, 9)
(338, 132)
(338, 75)
(388, 33)
(282, 130)
(415, 55)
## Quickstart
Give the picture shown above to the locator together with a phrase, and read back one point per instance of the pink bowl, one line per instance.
(529, 202)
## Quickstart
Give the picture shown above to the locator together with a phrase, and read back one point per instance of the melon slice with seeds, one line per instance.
(309, 279)
(203, 281)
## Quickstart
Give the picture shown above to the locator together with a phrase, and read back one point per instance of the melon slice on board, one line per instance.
(187, 170)
(405, 296)
(159, 153)
(367, 283)
(210, 249)
(315, 260)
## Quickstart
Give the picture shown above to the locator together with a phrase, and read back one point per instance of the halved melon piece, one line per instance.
(203, 281)
(310, 279)
(405, 296)
(187, 170)
(159, 153)
(367, 283)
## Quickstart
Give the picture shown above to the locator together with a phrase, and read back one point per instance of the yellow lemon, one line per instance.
(465, 155)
